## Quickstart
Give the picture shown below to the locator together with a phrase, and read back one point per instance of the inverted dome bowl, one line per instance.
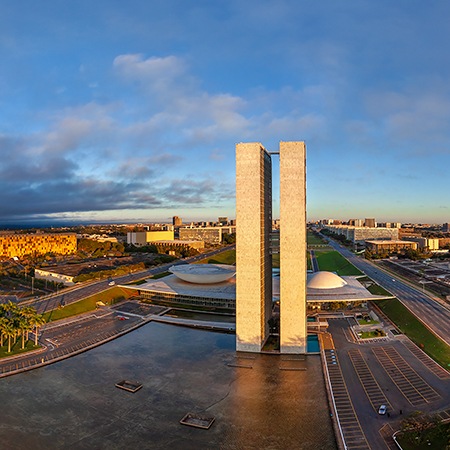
(203, 273)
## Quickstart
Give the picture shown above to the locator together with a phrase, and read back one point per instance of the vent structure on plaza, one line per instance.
(253, 258)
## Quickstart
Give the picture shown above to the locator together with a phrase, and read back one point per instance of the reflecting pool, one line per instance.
(74, 404)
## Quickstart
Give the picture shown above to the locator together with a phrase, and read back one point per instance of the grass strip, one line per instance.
(436, 437)
(416, 331)
(108, 297)
(314, 239)
(334, 262)
(16, 348)
(161, 275)
(226, 257)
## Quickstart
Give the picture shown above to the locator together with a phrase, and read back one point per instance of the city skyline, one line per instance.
(114, 112)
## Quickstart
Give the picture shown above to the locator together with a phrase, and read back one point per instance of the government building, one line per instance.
(253, 256)
(19, 245)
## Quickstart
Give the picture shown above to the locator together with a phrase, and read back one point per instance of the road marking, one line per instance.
(352, 432)
(432, 365)
(413, 387)
(373, 390)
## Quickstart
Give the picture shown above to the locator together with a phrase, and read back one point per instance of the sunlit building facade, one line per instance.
(253, 246)
(19, 245)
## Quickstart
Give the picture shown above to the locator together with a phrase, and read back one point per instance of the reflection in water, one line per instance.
(281, 408)
(74, 404)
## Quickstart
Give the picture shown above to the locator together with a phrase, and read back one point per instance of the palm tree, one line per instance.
(28, 312)
(9, 331)
(3, 323)
(24, 327)
(36, 321)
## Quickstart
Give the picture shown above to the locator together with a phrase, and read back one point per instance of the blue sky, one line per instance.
(130, 111)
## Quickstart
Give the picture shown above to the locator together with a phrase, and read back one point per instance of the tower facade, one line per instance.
(293, 267)
(253, 258)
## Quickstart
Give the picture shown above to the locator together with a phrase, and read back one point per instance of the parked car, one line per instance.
(382, 410)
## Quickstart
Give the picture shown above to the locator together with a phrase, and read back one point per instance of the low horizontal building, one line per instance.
(54, 276)
(358, 235)
(210, 235)
(424, 243)
(322, 287)
(174, 244)
(377, 247)
(141, 238)
(19, 245)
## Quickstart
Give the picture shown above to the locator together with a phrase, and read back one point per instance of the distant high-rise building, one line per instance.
(390, 225)
(446, 228)
(223, 220)
(370, 223)
(177, 221)
(354, 222)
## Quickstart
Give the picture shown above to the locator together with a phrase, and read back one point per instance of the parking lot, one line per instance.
(391, 372)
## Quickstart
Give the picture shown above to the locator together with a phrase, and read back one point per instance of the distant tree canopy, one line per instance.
(91, 248)
(337, 237)
(229, 238)
(115, 272)
(141, 249)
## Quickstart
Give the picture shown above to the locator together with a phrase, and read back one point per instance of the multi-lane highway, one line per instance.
(75, 294)
(433, 314)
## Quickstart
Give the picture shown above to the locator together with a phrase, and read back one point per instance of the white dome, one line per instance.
(203, 273)
(325, 280)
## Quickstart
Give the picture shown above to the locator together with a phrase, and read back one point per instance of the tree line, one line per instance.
(17, 322)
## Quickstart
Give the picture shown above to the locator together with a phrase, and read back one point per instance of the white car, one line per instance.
(112, 283)
(382, 410)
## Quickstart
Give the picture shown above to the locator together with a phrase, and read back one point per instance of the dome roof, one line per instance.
(325, 280)
(203, 273)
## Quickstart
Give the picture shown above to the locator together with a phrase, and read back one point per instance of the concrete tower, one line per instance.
(293, 247)
(253, 259)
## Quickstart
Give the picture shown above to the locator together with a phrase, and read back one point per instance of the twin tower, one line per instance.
(253, 255)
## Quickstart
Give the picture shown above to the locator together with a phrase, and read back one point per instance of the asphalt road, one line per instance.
(314, 263)
(434, 315)
(72, 295)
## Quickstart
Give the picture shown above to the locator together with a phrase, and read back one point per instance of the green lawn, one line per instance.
(226, 257)
(367, 322)
(371, 334)
(161, 275)
(416, 331)
(108, 297)
(436, 438)
(16, 348)
(313, 239)
(333, 261)
(276, 260)
(375, 289)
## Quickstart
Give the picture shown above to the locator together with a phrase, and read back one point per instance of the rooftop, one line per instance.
(203, 273)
